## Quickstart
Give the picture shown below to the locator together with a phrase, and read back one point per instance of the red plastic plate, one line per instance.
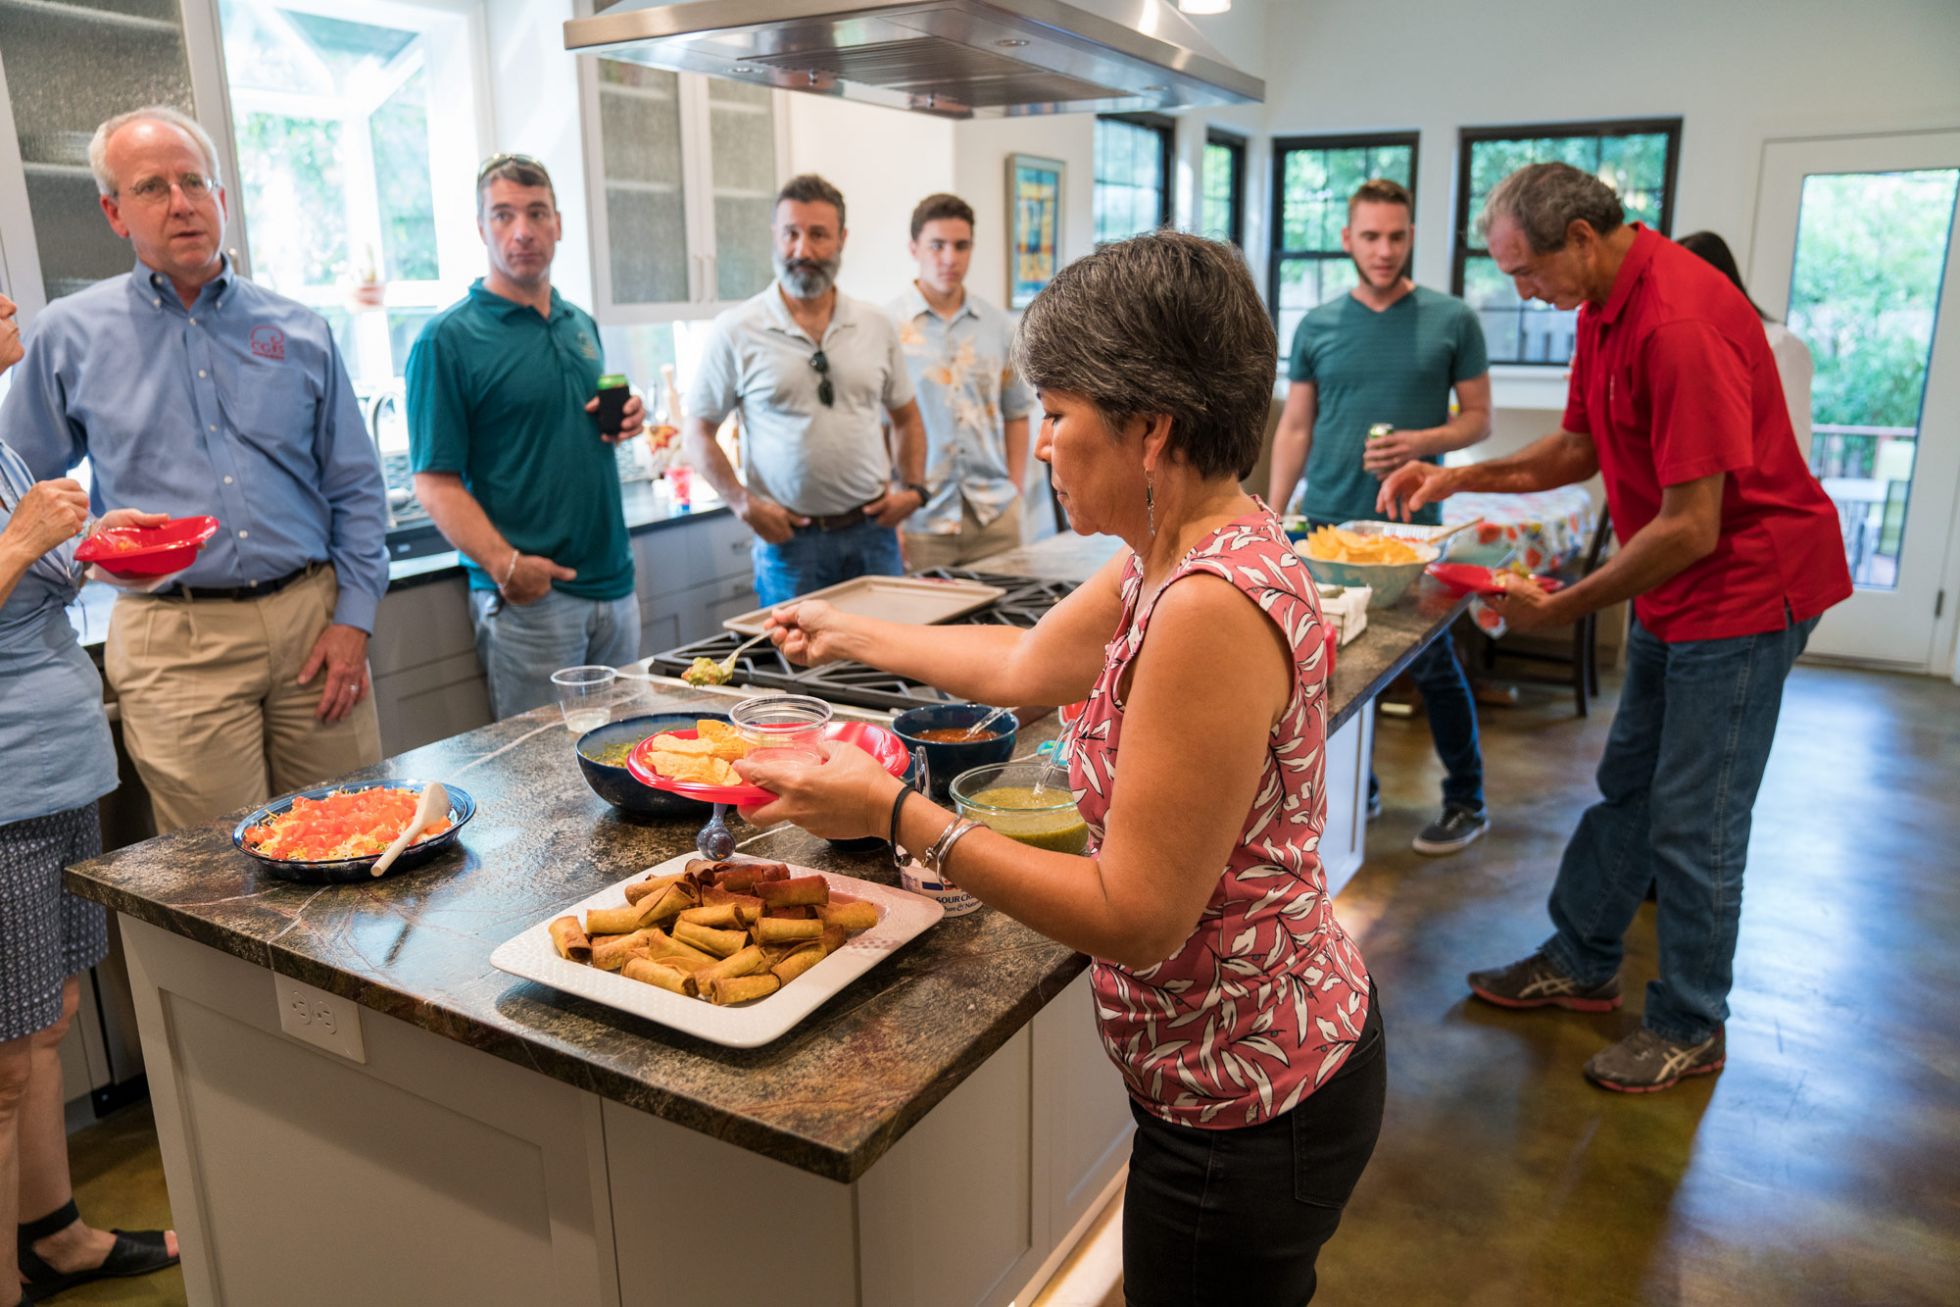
(1468, 578)
(148, 550)
(881, 744)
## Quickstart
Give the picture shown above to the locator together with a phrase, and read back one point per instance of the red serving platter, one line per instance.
(881, 744)
(148, 550)
(1466, 578)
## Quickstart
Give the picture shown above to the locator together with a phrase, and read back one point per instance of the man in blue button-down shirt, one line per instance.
(192, 391)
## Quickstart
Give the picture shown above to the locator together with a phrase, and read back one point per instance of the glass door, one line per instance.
(1854, 239)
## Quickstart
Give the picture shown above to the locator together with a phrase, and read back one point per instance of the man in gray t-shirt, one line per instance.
(811, 371)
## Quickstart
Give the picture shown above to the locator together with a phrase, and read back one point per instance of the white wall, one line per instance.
(535, 111)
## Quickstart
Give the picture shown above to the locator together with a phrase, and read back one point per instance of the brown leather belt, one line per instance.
(255, 590)
(843, 521)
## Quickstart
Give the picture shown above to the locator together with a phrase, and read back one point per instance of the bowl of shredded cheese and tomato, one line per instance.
(335, 832)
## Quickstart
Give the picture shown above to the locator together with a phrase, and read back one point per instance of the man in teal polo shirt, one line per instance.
(1389, 353)
(509, 461)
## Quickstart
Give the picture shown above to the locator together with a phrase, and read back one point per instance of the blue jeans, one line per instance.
(1678, 785)
(812, 559)
(521, 645)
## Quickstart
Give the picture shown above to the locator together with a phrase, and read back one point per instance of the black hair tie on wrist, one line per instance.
(900, 858)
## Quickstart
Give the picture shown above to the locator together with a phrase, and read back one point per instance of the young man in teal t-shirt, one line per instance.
(509, 461)
(1390, 352)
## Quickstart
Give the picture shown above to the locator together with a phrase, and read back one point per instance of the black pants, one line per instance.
(1238, 1216)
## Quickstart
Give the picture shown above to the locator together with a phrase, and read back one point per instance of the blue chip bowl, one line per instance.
(945, 761)
(352, 870)
(617, 786)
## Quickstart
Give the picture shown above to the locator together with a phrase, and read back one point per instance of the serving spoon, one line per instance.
(981, 725)
(433, 803)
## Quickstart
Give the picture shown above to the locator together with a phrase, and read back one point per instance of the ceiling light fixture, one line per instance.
(1204, 6)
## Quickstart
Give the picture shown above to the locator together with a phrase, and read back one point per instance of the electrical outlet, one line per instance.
(324, 1020)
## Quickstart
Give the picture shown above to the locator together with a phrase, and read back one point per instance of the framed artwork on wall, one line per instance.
(1034, 226)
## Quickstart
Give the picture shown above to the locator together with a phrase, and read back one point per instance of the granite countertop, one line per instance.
(830, 1097)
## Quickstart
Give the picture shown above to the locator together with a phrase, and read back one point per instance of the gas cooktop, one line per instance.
(854, 683)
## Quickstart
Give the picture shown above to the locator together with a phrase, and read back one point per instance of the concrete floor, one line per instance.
(1822, 1166)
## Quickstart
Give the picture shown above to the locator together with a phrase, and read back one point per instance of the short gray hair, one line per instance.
(98, 146)
(1166, 322)
(809, 188)
(1544, 199)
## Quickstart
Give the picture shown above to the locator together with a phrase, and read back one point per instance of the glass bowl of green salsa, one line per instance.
(1026, 801)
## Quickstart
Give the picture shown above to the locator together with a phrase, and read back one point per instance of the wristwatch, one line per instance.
(925, 496)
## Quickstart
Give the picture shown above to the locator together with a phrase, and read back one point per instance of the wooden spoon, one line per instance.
(434, 803)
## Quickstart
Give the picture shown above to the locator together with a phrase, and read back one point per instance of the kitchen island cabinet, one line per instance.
(354, 1106)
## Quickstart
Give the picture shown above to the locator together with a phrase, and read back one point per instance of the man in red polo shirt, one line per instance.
(1730, 552)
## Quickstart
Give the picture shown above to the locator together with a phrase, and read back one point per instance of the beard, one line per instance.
(1362, 272)
(806, 279)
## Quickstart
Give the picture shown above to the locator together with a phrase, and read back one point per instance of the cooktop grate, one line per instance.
(852, 683)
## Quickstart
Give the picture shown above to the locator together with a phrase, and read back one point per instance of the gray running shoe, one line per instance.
(1645, 1063)
(1458, 828)
(1535, 982)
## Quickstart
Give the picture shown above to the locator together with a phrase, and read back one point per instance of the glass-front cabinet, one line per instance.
(64, 67)
(683, 171)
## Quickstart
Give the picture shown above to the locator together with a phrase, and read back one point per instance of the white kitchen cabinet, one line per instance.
(682, 173)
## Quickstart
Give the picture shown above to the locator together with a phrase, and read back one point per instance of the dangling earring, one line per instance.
(1150, 502)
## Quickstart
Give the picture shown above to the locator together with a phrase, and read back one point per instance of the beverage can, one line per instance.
(613, 394)
(1380, 429)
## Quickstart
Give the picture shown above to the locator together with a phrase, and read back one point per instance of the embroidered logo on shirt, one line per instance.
(586, 347)
(269, 343)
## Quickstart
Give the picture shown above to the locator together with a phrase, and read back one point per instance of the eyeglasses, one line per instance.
(826, 393)
(497, 161)
(156, 190)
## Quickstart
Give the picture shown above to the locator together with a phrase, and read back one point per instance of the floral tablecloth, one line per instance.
(1544, 530)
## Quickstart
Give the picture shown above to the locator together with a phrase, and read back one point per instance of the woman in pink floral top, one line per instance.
(1236, 1008)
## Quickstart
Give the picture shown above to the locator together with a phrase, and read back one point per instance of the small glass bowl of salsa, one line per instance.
(1026, 801)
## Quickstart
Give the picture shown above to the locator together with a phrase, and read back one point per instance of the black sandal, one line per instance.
(136, 1252)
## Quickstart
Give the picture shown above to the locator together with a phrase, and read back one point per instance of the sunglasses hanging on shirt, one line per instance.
(826, 393)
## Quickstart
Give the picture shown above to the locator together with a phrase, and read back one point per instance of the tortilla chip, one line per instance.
(675, 744)
(693, 767)
(710, 729)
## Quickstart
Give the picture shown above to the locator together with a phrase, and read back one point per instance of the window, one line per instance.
(1636, 158)
(1221, 205)
(1133, 170)
(356, 182)
(1313, 176)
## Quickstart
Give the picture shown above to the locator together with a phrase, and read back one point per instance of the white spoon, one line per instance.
(433, 803)
(985, 722)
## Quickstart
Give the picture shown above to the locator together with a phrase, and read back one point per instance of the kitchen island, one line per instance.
(354, 1106)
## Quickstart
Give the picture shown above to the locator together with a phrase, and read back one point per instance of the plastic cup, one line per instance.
(585, 696)
(771, 721)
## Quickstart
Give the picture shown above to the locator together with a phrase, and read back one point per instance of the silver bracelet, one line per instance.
(935, 856)
(510, 571)
(946, 854)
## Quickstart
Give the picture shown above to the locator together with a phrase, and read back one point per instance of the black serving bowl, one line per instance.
(617, 786)
(945, 761)
(352, 870)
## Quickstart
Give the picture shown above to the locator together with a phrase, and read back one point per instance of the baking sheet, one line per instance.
(903, 916)
(916, 600)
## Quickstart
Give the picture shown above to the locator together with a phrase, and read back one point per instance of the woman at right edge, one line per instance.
(1238, 1011)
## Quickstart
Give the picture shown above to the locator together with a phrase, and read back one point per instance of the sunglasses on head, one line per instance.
(826, 393)
(497, 161)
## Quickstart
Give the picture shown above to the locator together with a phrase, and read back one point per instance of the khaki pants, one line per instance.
(212, 712)
(973, 543)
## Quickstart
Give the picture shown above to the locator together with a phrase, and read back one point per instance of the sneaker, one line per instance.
(1535, 982)
(1458, 828)
(1645, 1063)
(1374, 804)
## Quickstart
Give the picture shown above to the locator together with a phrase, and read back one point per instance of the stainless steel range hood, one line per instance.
(955, 58)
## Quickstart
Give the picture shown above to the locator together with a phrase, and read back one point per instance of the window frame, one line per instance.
(1166, 129)
(1277, 255)
(1232, 141)
(1463, 234)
